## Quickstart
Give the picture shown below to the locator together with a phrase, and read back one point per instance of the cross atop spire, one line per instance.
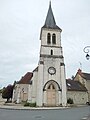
(50, 20)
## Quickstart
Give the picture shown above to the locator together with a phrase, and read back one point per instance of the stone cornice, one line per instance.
(53, 46)
(51, 56)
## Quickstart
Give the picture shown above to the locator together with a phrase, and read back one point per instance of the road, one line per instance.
(65, 114)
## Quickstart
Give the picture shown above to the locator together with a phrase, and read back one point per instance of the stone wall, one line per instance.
(79, 97)
(20, 92)
(88, 88)
(1, 99)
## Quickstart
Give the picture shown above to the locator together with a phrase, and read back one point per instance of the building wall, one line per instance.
(33, 88)
(80, 79)
(88, 88)
(44, 77)
(20, 93)
(45, 31)
(52, 63)
(78, 96)
(48, 60)
(85, 82)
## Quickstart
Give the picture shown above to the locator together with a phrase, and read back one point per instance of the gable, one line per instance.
(79, 75)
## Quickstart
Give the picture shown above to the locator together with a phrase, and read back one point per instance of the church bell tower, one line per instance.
(51, 83)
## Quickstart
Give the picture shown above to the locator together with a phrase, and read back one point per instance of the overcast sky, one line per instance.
(20, 24)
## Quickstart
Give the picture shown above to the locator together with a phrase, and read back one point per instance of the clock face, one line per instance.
(51, 70)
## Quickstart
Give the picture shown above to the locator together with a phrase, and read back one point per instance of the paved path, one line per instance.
(21, 107)
(88, 118)
(75, 113)
(12, 106)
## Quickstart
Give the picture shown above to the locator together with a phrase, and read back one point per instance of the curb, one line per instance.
(32, 108)
(18, 107)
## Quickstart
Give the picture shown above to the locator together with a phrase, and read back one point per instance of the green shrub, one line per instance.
(30, 104)
(26, 104)
(70, 101)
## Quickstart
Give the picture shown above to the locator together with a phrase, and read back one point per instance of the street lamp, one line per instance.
(87, 50)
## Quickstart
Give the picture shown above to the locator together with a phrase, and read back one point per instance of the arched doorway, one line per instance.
(51, 95)
(51, 90)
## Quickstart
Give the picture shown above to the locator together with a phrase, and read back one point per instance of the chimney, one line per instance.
(79, 71)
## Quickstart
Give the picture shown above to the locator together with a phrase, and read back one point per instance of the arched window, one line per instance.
(51, 52)
(48, 38)
(54, 39)
(51, 86)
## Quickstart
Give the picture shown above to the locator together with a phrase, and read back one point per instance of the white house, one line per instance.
(48, 83)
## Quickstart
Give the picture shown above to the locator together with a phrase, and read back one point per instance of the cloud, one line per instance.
(20, 25)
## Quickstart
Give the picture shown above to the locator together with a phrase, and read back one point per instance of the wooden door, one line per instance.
(51, 96)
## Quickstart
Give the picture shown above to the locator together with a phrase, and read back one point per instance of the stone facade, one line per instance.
(20, 93)
(48, 86)
(84, 79)
(21, 89)
(79, 97)
(77, 92)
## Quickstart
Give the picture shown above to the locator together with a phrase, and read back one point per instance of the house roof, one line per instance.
(75, 85)
(50, 20)
(84, 75)
(26, 78)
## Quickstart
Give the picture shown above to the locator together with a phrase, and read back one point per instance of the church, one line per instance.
(46, 84)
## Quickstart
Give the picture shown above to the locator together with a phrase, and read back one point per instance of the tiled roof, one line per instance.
(75, 85)
(26, 78)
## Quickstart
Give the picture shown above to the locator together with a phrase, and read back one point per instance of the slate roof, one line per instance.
(50, 20)
(26, 78)
(74, 85)
(84, 75)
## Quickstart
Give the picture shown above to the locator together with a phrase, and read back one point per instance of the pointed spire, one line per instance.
(50, 20)
(49, 2)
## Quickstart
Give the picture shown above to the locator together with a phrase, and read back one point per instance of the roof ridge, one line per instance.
(26, 78)
(85, 73)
